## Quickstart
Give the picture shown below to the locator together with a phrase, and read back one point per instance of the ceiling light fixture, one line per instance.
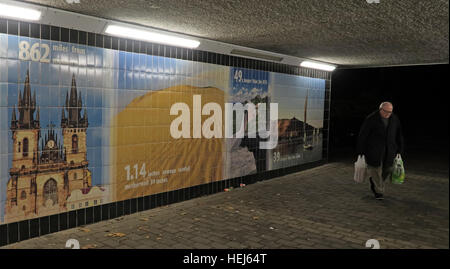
(319, 66)
(134, 33)
(17, 12)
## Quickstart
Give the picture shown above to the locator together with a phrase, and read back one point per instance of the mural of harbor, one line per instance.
(300, 122)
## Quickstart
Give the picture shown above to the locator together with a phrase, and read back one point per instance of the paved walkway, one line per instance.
(317, 208)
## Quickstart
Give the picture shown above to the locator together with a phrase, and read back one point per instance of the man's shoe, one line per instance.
(379, 196)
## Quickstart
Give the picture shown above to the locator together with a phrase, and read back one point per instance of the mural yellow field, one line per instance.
(147, 160)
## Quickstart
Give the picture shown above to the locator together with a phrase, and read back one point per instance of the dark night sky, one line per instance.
(419, 95)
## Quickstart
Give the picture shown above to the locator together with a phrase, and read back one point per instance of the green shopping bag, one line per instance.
(398, 173)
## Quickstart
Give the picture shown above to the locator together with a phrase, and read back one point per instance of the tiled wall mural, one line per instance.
(82, 126)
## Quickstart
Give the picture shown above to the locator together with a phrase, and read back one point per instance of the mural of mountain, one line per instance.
(258, 99)
(244, 95)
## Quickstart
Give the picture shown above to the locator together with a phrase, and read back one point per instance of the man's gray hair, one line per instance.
(385, 103)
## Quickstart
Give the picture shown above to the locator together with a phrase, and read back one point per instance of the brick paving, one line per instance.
(319, 208)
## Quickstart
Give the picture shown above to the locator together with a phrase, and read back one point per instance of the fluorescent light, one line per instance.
(19, 12)
(314, 65)
(151, 36)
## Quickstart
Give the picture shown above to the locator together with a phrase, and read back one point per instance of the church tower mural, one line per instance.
(46, 169)
(74, 135)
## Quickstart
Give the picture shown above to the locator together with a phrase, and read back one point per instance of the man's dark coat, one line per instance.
(374, 140)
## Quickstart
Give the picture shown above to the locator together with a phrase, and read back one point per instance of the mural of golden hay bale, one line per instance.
(147, 160)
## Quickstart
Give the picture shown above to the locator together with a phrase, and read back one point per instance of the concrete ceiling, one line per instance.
(350, 33)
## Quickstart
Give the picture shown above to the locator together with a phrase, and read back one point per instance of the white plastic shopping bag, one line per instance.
(360, 169)
(398, 173)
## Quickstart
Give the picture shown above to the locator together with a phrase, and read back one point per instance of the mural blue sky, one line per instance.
(247, 84)
(290, 91)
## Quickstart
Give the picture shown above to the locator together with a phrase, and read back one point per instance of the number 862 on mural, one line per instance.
(133, 172)
(33, 52)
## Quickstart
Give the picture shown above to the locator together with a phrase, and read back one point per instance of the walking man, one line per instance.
(380, 140)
